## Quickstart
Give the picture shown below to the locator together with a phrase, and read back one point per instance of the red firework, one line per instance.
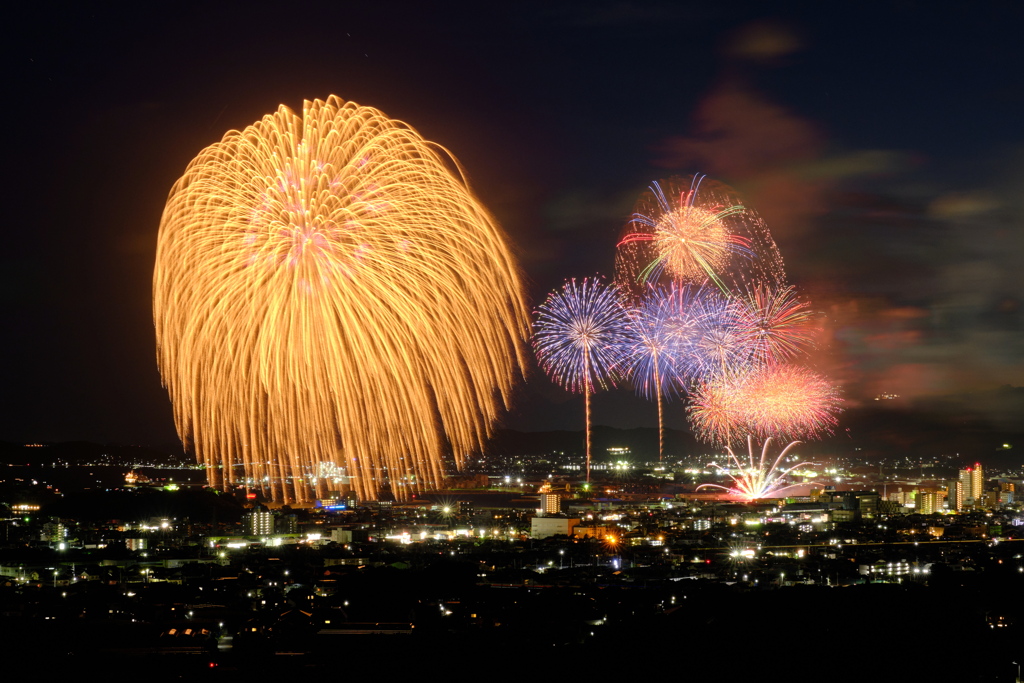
(778, 325)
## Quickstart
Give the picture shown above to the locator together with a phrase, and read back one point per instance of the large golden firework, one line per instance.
(332, 306)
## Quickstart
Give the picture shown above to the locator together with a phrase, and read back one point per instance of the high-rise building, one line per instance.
(965, 482)
(977, 481)
(972, 483)
(926, 502)
(955, 495)
(550, 503)
(259, 522)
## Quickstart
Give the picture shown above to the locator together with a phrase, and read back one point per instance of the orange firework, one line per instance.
(333, 307)
(696, 231)
(785, 401)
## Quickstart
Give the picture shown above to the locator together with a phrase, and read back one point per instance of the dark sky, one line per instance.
(882, 142)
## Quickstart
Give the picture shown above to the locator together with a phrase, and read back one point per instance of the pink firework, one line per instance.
(787, 401)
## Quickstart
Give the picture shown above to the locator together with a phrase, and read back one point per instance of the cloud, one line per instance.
(763, 41)
(779, 160)
(963, 204)
(739, 137)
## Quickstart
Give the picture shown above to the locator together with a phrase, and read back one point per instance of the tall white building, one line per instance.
(972, 483)
(259, 522)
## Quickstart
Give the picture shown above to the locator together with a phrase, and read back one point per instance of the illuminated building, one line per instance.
(965, 486)
(977, 481)
(927, 503)
(972, 486)
(259, 522)
(955, 495)
(1006, 491)
(542, 527)
(54, 532)
(857, 504)
(886, 569)
(550, 503)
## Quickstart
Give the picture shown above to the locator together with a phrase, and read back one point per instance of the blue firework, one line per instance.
(579, 334)
(655, 359)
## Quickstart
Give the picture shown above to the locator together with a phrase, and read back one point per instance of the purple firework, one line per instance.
(653, 358)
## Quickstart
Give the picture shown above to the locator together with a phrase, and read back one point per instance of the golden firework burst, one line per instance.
(333, 305)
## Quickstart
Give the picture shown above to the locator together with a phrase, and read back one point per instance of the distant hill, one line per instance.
(82, 452)
(974, 425)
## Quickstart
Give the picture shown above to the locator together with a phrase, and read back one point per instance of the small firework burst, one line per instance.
(758, 477)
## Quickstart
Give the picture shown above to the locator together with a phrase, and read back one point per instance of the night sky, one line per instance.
(882, 142)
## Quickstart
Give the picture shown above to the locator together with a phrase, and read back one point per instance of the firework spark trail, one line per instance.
(759, 478)
(579, 334)
(693, 230)
(785, 401)
(327, 290)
